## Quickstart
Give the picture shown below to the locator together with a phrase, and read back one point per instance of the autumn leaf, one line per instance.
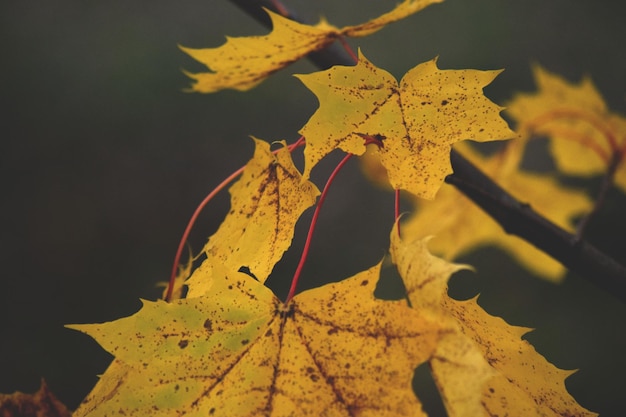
(458, 367)
(239, 351)
(417, 120)
(585, 136)
(266, 203)
(481, 367)
(242, 63)
(459, 226)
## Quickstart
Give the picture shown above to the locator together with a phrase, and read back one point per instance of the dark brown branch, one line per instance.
(520, 219)
(516, 218)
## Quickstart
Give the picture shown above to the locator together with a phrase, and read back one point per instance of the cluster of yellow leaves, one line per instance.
(417, 119)
(231, 347)
(585, 137)
(331, 351)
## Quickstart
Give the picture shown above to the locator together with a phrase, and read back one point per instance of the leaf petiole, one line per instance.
(320, 202)
(309, 237)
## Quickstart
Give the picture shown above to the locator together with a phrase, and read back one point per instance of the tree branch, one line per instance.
(521, 220)
(516, 218)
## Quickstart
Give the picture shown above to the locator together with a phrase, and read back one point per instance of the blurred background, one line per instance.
(104, 158)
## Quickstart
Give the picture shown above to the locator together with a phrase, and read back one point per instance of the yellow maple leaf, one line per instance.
(266, 203)
(417, 120)
(459, 226)
(482, 367)
(239, 351)
(584, 135)
(242, 63)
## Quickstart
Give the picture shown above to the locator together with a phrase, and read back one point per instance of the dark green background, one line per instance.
(104, 159)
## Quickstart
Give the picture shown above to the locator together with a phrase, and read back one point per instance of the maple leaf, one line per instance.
(482, 366)
(459, 226)
(242, 63)
(266, 203)
(334, 351)
(417, 120)
(584, 135)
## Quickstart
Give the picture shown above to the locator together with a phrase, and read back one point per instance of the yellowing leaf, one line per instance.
(417, 120)
(242, 63)
(238, 351)
(584, 134)
(482, 367)
(459, 226)
(266, 203)
(457, 366)
(525, 384)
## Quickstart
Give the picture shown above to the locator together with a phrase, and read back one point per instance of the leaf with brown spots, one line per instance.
(266, 203)
(482, 366)
(239, 351)
(242, 63)
(417, 120)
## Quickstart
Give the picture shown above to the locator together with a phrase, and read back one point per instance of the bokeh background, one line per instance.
(104, 158)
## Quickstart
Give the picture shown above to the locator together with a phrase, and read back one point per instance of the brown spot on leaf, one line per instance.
(208, 325)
